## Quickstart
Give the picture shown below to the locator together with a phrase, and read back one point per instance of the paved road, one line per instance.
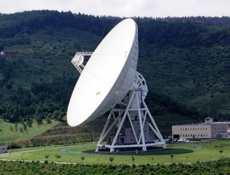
(20, 152)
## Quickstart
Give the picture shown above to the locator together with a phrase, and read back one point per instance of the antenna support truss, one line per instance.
(78, 60)
(142, 127)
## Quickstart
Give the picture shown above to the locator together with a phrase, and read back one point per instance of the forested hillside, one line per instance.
(185, 62)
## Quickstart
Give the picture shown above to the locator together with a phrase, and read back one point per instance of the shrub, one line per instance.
(111, 159)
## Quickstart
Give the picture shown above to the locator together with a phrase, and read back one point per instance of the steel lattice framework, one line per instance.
(135, 103)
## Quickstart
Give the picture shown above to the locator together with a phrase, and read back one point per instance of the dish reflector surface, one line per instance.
(108, 75)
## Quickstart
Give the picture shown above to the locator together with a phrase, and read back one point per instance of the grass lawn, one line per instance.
(6, 135)
(183, 153)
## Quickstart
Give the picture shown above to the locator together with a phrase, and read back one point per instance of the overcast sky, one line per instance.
(124, 8)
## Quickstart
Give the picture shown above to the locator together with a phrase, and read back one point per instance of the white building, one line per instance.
(208, 129)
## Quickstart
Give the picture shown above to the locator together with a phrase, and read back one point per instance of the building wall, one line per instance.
(127, 136)
(191, 131)
(228, 128)
(224, 135)
(200, 131)
(218, 128)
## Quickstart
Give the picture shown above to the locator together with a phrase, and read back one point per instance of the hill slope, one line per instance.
(186, 61)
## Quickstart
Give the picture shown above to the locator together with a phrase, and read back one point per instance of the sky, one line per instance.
(124, 8)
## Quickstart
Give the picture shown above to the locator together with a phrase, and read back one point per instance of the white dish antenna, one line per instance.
(110, 78)
(108, 75)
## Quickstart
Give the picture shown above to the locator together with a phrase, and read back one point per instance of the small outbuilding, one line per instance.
(3, 149)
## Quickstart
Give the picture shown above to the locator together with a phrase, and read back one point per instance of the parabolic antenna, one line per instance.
(110, 78)
(108, 75)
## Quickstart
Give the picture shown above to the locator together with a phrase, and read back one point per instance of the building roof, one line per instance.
(203, 124)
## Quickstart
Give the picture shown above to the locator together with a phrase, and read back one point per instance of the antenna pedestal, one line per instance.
(132, 127)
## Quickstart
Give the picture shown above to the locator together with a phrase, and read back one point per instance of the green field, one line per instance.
(183, 153)
(8, 135)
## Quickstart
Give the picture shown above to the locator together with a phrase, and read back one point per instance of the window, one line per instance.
(185, 129)
(180, 128)
(206, 128)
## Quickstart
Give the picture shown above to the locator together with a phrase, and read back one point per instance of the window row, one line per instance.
(192, 129)
(194, 135)
(218, 128)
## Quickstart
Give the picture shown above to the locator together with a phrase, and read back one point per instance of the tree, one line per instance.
(24, 126)
(133, 159)
(10, 152)
(152, 159)
(29, 123)
(82, 158)
(220, 152)
(111, 159)
(98, 159)
(16, 126)
(22, 155)
(47, 156)
(58, 157)
(187, 158)
(171, 155)
(14, 117)
(39, 120)
(48, 120)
